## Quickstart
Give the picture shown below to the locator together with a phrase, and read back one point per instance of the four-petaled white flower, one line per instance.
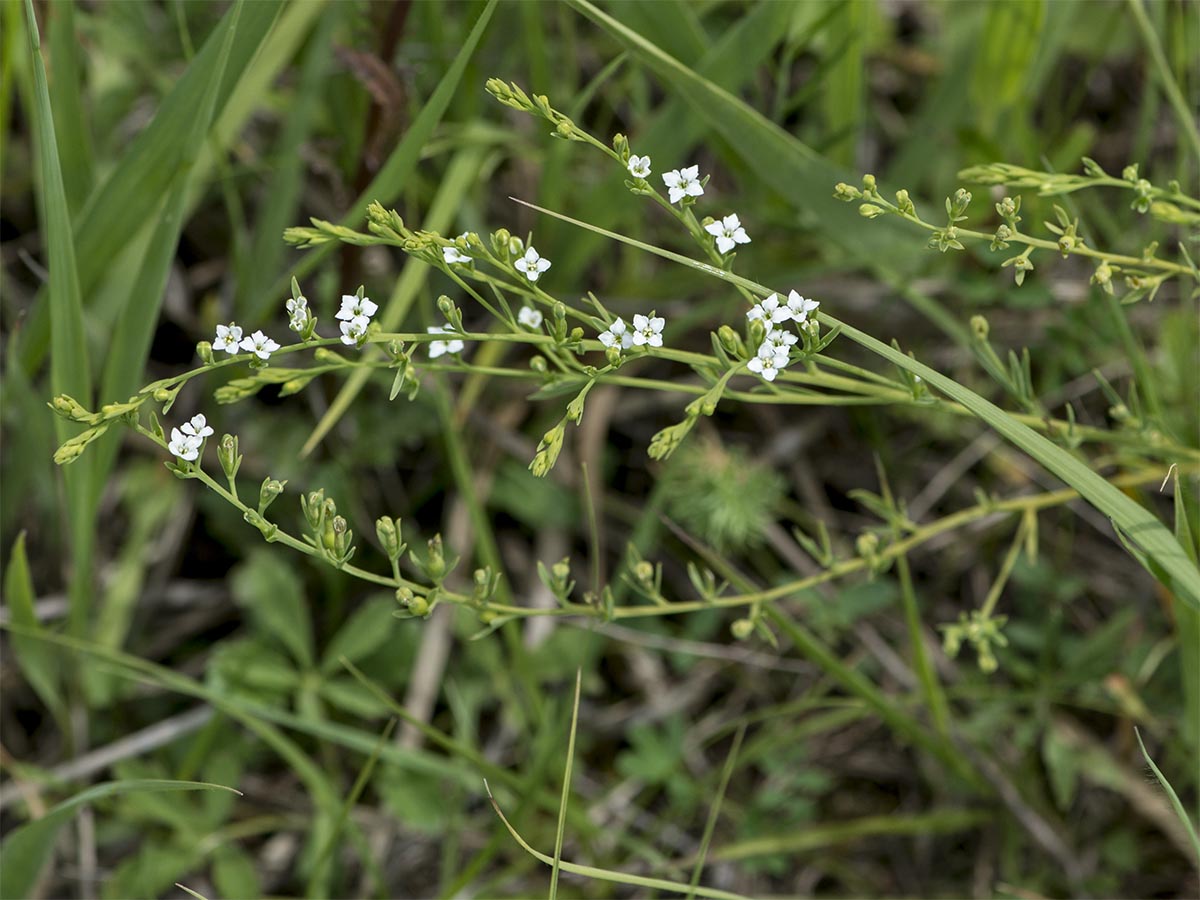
(437, 348)
(260, 345)
(683, 183)
(780, 340)
(453, 255)
(800, 307)
(769, 362)
(354, 330)
(617, 335)
(647, 330)
(770, 311)
(354, 306)
(185, 446)
(639, 166)
(228, 338)
(297, 313)
(197, 427)
(529, 317)
(531, 264)
(728, 232)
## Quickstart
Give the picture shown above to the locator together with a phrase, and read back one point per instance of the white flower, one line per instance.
(531, 264)
(297, 314)
(228, 337)
(185, 446)
(197, 427)
(800, 307)
(453, 255)
(260, 345)
(769, 362)
(354, 306)
(617, 335)
(639, 166)
(437, 348)
(728, 232)
(779, 340)
(529, 317)
(648, 330)
(770, 312)
(683, 183)
(354, 330)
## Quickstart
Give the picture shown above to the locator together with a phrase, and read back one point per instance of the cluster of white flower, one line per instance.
(298, 314)
(186, 441)
(355, 316)
(229, 338)
(774, 353)
(646, 332)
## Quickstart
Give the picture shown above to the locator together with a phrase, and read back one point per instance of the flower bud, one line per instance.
(435, 564)
(446, 306)
(644, 572)
(870, 211)
(905, 204)
(979, 328)
(1130, 173)
(868, 183)
(270, 490)
(313, 505)
(742, 629)
(205, 352)
(538, 364)
(846, 192)
(228, 456)
(388, 532)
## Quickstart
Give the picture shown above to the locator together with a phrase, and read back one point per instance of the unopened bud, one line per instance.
(270, 490)
(205, 352)
(742, 628)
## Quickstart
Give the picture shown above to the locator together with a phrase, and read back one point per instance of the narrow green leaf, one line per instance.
(74, 139)
(1176, 803)
(36, 660)
(26, 850)
(566, 790)
(69, 370)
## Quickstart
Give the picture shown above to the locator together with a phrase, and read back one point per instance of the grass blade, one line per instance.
(75, 142)
(35, 659)
(26, 850)
(69, 370)
(711, 825)
(1176, 803)
(566, 790)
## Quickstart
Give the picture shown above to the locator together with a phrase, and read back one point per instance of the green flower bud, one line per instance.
(313, 505)
(228, 456)
(979, 328)
(435, 563)
(870, 211)
(204, 350)
(742, 629)
(269, 491)
(868, 183)
(388, 532)
(846, 192)
(538, 364)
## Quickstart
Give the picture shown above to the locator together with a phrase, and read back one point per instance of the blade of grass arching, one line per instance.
(1162, 69)
(127, 199)
(715, 811)
(74, 139)
(282, 194)
(460, 175)
(26, 849)
(566, 790)
(134, 331)
(798, 174)
(1176, 804)
(69, 369)
(360, 784)
(400, 164)
(844, 91)
(35, 659)
(1169, 562)
(660, 884)
(14, 79)
(671, 24)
